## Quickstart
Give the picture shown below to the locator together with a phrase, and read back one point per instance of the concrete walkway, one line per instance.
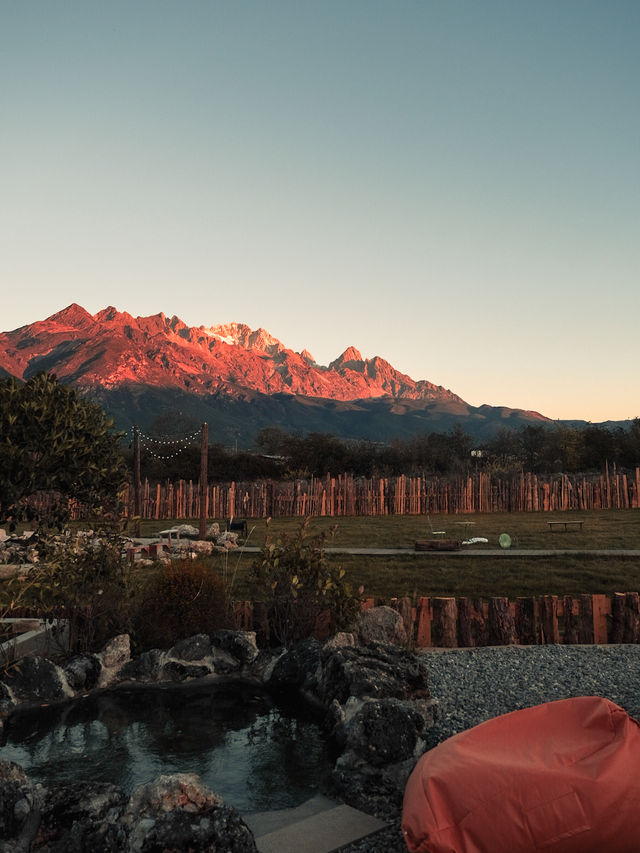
(318, 826)
(464, 551)
(474, 552)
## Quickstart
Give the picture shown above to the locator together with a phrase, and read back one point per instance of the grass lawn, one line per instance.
(457, 574)
(464, 575)
(602, 529)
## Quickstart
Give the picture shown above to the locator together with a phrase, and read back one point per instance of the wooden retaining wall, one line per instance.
(463, 622)
(345, 495)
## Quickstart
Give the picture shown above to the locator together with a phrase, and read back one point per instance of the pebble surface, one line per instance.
(474, 685)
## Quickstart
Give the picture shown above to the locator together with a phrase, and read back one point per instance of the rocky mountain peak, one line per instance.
(73, 315)
(351, 354)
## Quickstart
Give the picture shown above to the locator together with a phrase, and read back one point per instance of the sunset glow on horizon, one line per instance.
(454, 187)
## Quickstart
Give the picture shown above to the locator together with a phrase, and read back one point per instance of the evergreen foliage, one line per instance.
(53, 440)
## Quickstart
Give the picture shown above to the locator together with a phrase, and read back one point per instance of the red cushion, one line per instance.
(563, 777)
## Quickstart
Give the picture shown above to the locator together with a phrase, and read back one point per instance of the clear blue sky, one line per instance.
(451, 184)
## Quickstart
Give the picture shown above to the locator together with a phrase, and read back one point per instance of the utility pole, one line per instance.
(137, 490)
(204, 456)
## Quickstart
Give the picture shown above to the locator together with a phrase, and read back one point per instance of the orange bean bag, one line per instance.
(563, 777)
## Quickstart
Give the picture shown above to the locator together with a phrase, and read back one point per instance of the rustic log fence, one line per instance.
(345, 495)
(466, 623)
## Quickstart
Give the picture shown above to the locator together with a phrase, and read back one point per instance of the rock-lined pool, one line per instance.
(255, 753)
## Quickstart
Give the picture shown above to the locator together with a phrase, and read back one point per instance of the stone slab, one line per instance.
(261, 823)
(321, 833)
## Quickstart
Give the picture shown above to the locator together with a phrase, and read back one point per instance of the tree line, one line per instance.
(536, 448)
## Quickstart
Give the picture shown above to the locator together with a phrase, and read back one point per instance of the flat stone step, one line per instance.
(261, 823)
(323, 832)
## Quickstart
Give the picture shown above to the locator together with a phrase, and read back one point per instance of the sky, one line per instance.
(453, 185)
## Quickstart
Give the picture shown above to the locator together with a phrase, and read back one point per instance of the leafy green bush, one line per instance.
(184, 598)
(52, 440)
(296, 582)
(82, 579)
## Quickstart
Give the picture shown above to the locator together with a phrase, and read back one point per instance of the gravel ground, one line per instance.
(473, 685)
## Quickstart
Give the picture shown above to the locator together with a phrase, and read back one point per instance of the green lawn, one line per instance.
(458, 574)
(464, 575)
(603, 529)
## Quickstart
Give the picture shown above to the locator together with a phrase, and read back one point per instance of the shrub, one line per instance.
(296, 582)
(184, 598)
(82, 579)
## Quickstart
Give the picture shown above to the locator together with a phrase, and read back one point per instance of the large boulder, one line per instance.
(240, 644)
(382, 625)
(192, 648)
(385, 731)
(82, 671)
(297, 666)
(116, 652)
(17, 803)
(178, 812)
(147, 667)
(112, 658)
(37, 679)
(376, 670)
(81, 816)
(177, 671)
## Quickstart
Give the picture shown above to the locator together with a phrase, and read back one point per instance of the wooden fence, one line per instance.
(462, 622)
(346, 495)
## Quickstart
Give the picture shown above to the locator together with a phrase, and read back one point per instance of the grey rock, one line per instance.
(376, 790)
(82, 671)
(16, 800)
(177, 671)
(39, 679)
(116, 652)
(172, 791)
(146, 668)
(342, 638)
(385, 731)
(7, 700)
(241, 644)
(297, 666)
(382, 625)
(192, 648)
(80, 816)
(224, 662)
(376, 670)
(179, 813)
(221, 829)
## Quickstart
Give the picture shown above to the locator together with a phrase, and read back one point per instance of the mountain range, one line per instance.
(237, 379)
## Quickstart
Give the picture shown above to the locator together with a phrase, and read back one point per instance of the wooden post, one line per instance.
(585, 619)
(204, 457)
(465, 634)
(408, 618)
(502, 630)
(423, 638)
(631, 617)
(526, 621)
(617, 617)
(137, 494)
(601, 609)
(444, 627)
(549, 618)
(570, 634)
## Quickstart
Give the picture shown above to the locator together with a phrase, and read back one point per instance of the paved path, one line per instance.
(464, 551)
(479, 552)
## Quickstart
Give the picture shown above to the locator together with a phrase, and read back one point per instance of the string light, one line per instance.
(159, 444)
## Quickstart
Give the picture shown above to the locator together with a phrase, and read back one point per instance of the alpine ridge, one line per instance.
(245, 379)
(112, 349)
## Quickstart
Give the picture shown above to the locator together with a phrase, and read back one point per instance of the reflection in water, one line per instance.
(253, 753)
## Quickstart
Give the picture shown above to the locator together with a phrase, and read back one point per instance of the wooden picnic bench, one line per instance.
(566, 524)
